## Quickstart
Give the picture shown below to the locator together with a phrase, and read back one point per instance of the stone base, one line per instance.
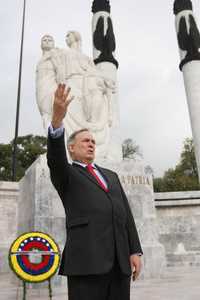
(138, 186)
(183, 260)
(8, 220)
(4, 261)
(154, 262)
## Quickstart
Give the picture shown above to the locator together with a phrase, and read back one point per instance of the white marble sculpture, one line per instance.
(46, 82)
(92, 106)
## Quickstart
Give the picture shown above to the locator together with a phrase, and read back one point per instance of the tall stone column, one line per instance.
(189, 47)
(104, 46)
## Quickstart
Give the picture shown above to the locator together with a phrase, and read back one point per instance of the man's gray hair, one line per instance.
(72, 137)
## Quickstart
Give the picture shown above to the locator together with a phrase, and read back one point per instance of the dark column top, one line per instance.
(100, 5)
(180, 5)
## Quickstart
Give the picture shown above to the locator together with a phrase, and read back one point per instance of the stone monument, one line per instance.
(93, 87)
(41, 208)
(189, 47)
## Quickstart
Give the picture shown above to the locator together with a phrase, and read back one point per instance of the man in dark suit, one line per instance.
(103, 247)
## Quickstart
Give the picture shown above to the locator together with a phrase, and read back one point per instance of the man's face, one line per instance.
(47, 43)
(83, 148)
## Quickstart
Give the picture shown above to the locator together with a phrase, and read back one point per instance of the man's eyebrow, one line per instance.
(88, 139)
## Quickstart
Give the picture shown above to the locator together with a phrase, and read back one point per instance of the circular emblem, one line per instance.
(34, 256)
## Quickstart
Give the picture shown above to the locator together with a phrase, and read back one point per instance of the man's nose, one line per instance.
(91, 144)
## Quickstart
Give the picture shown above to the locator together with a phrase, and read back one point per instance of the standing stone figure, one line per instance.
(46, 81)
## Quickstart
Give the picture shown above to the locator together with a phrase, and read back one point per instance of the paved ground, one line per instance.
(175, 284)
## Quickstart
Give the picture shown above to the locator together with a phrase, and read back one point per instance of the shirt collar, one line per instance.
(83, 164)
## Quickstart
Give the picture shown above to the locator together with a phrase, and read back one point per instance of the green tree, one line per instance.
(29, 147)
(184, 177)
(130, 149)
(188, 161)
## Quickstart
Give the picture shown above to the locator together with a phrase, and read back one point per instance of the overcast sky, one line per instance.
(153, 105)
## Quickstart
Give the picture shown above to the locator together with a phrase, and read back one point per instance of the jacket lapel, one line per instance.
(90, 177)
(86, 173)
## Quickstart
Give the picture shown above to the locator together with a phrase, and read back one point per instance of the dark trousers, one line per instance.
(111, 286)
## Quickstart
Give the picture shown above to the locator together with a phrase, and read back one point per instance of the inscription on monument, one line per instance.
(132, 179)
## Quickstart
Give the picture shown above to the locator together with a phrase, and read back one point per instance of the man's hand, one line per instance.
(136, 264)
(60, 105)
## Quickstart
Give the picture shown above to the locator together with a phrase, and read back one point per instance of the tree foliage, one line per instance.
(184, 177)
(29, 147)
(130, 149)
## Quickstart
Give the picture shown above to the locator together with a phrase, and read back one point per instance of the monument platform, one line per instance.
(175, 284)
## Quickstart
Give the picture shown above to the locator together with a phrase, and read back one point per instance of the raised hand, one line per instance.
(60, 105)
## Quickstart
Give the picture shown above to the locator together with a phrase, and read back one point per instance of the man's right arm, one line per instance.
(56, 152)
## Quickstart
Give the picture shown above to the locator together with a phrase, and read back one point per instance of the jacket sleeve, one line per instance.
(58, 163)
(134, 241)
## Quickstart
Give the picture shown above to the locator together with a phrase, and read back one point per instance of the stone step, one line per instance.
(188, 259)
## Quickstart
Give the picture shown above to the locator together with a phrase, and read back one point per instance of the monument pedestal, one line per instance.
(137, 182)
(40, 207)
(8, 221)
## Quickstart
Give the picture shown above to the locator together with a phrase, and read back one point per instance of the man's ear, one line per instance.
(71, 148)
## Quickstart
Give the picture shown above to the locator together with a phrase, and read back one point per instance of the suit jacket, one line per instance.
(99, 224)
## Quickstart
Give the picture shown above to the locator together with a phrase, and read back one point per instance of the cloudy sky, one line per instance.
(153, 105)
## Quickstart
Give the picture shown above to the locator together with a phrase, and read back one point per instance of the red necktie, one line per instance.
(90, 169)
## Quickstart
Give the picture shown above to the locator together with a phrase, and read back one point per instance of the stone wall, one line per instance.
(40, 207)
(178, 216)
(37, 207)
(9, 196)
